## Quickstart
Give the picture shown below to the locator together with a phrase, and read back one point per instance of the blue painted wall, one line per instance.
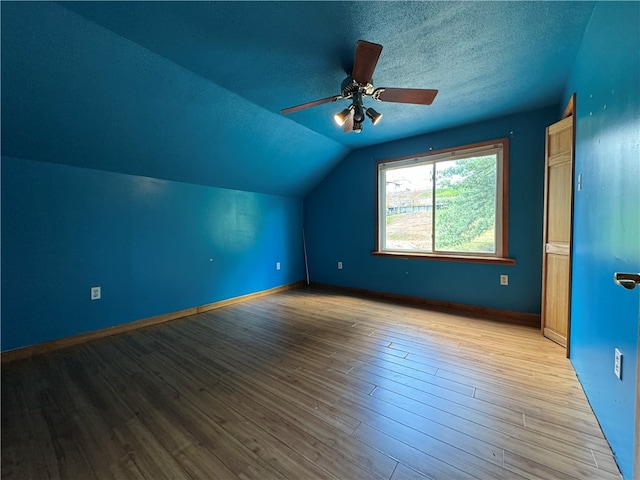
(340, 222)
(154, 246)
(606, 79)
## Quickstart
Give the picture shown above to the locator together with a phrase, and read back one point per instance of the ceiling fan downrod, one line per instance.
(358, 112)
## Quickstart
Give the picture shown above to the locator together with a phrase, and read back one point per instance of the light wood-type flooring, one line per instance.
(304, 384)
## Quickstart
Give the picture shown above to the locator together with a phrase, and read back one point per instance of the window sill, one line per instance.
(447, 258)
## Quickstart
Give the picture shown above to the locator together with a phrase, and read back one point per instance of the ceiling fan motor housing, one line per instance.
(350, 87)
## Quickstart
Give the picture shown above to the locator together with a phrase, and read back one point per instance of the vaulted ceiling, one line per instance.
(192, 91)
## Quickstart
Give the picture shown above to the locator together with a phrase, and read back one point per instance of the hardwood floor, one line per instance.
(304, 384)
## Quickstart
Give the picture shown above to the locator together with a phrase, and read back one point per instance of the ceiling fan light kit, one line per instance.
(359, 85)
(373, 115)
(341, 118)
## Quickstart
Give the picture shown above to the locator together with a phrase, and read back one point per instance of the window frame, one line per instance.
(502, 203)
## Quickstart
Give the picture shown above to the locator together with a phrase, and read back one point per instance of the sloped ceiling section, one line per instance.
(76, 93)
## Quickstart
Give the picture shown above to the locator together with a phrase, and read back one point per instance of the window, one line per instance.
(451, 203)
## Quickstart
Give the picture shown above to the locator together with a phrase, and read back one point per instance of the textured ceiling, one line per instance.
(485, 58)
(192, 91)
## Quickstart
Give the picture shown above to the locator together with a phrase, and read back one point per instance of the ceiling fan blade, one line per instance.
(365, 61)
(348, 124)
(311, 104)
(418, 96)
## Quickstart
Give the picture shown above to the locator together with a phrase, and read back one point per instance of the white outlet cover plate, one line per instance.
(96, 293)
(339, 265)
(504, 279)
(617, 364)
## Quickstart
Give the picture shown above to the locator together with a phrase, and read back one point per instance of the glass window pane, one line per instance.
(408, 210)
(465, 219)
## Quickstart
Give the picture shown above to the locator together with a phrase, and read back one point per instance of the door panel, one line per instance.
(557, 304)
(560, 138)
(559, 226)
(556, 264)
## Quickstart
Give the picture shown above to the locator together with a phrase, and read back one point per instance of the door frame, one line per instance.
(570, 110)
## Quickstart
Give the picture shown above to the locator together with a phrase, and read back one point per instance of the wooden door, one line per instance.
(556, 264)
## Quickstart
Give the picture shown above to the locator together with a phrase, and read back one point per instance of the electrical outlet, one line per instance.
(339, 265)
(277, 265)
(617, 364)
(504, 279)
(96, 293)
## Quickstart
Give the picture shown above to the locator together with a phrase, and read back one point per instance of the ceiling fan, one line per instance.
(357, 86)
